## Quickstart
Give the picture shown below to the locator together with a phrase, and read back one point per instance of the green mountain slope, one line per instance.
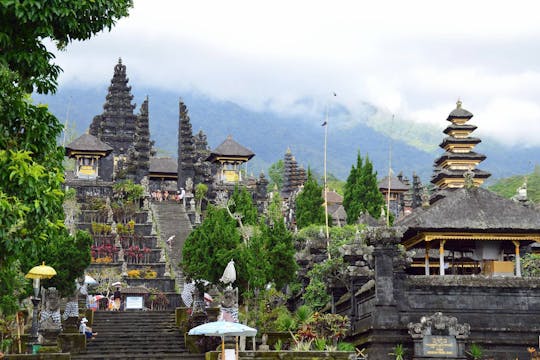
(508, 187)
(269, 134)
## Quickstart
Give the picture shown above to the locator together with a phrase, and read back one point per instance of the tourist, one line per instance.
(117, 299)
(86, 330)
(166, 195)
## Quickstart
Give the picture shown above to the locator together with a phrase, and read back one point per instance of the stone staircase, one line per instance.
(136, 335)
(171, 219)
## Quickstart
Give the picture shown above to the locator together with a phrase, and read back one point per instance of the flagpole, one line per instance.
(389, 178)
(325, 183)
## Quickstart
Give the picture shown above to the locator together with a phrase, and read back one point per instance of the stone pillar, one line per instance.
(518, 259)
(385, 315)
(427, 258)
(441, 257)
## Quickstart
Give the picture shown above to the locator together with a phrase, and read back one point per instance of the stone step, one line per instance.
(136, 335)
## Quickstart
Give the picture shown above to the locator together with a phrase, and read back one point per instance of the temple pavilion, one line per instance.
(87, 150)
(229, 156)
(465, 229)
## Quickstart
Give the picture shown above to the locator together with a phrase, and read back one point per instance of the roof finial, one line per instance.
(120, 60)
(458, 103)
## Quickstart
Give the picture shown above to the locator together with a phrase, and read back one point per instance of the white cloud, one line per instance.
(411, 58)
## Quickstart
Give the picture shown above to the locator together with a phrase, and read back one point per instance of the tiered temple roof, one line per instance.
(186, 147)
(293, 175)
(128, 134)
(459, 157)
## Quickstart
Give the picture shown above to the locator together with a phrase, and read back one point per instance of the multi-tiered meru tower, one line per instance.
(459, 158)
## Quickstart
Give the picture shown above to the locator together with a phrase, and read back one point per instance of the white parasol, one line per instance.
(229, 275)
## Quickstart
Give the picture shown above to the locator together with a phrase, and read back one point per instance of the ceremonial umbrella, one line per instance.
(229, 274)
(223, 328)
(40, 272)
(89, 280)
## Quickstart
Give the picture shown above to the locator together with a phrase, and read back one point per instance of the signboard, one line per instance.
(134, 302)
(439, 346)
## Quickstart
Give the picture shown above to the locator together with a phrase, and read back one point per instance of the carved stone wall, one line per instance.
(503, 313)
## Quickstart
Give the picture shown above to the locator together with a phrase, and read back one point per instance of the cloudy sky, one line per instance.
(410, 58)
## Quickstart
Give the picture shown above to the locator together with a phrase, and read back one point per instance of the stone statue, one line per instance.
(189, 185)
(229, 305)
(50, 316)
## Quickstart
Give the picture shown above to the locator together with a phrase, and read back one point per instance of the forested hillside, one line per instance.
(269, 134)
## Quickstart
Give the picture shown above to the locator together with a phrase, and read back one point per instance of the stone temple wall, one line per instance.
(503, 313)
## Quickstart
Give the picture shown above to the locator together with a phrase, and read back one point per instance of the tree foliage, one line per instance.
(31, 176)
(266, 257)
(211, 246)
(275, 173)
(31, 171)
(243, 204)
(309, 203)
(361, 191)
(24, 26)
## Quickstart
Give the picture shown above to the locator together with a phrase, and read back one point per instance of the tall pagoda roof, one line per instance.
(395, 184)
(459, 112)
(474, 210)
(87, 143)
(471, 155)
(232, 149)
(455, 140)
(163, 165)
(467, 127)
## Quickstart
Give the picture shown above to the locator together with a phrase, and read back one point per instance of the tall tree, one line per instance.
(361, 191)
(309, 203)
(211, 246)
(25, 25)
(31, 171)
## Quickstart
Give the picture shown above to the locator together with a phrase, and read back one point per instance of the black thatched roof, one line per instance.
(230, 148)
(461, 156)
(87, 142)
(472, 210)
(395, 184)
(467, 127)
(439, 173)
(163, 166)
(454, 140)
(459, 112)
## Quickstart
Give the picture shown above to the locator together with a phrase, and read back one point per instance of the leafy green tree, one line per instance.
(309, 203)
(69, 256)
(361, 191)
(31, 171)
(211, 246)
(243, 204)
(25, 25)
(31, 176)
(275, 173)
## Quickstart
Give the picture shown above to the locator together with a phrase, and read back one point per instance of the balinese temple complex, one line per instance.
(118, 147)
(465, 229)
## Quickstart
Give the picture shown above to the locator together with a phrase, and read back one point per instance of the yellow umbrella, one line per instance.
(41, 272)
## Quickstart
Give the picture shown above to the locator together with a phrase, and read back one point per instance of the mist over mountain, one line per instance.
(269, 134)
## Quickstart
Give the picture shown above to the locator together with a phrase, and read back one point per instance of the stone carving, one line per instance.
(439, 336)
(439, 324)
(189, 185)
(50, 316)
(229, 305)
